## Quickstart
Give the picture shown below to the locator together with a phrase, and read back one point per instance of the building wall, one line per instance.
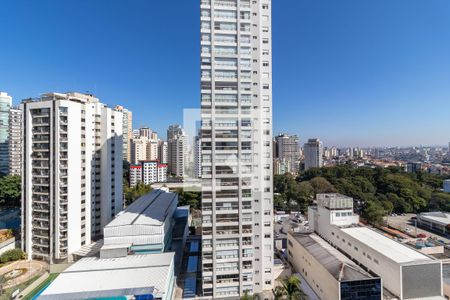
(72, 185)
(236, 99)
(420, 281)
(313, 151)
(318, 278)
(5, 105)
(15, 141)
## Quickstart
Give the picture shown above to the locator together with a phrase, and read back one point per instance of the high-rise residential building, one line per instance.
(236, 137)
(162, 152)
(313, 151)
(139, 150)
(197, 157)
(177, 150)
(15, 141)
(72, 175)
(5, 106)
(127, 130)
(288, 151)
(173, 131)
(152, 149)
(145, 132)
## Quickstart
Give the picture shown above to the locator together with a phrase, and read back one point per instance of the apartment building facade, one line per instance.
(5, 106)
(313, 151)
(236, 153)
(72, 176)
(15, 141)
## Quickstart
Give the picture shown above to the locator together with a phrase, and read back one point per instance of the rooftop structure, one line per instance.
(406, 273)
(387, 247)
(146, 224)
(135, 275)
(330, 273)
(436, 221)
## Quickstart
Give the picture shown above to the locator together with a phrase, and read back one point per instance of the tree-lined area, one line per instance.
(376, 191)
(10, 191)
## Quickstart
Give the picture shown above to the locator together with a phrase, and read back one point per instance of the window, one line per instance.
(265, 63)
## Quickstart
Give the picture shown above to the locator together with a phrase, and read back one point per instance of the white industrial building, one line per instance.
(331, 274)
(143, 227)
(406, 273)
(435, 221)
(132, 277)
(72, 173)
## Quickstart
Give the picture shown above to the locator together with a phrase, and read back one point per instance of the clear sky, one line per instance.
(351, 72)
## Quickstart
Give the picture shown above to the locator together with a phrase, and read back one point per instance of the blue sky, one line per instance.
(351, 72)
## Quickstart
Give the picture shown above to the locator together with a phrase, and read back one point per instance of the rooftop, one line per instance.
(436, 217)
(337, 264)
(100, 278)
(391, 249)
(150, 209)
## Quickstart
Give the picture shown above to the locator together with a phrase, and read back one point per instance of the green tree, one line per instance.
(10, 191)
(321, 185)
(133, 193)
(247, 296)
(374, 212)
(290, 289)
(191, 198)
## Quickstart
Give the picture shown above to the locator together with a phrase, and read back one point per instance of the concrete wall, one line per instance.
(421, 281)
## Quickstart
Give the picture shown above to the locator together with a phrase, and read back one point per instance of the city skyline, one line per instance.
(388, 89)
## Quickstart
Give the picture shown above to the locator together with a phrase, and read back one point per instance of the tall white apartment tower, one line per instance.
(313, 151)
(72, 174)
(15, 141)
(236, 138)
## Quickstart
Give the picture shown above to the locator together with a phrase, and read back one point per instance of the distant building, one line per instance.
(288, 151)
(197, 157)
(142, 149)
(447, 185)
(329, 272)
(281, 167)
(435, 221)
(5, 106)
(72, 176)
(313, 152)
(177, 146)
(15, 141)
(148, 172)
(406, 273)
(127, 130)
(135, 174)
(162, 152)
(174, 131)
(413, 167)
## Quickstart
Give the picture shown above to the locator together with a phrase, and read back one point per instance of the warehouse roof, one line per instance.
(436, 217)
(387, 247)
(337, 264)
(150, 209)
(100, 278)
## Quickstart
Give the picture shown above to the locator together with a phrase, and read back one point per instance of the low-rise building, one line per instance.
(406, 273)
(143, 227)
(130, 277)
(435, 221)
(328, 272)
(148, 172)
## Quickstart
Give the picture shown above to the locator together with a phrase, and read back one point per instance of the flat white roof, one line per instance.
(96, 277)
(436, 217)
(385, 246)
